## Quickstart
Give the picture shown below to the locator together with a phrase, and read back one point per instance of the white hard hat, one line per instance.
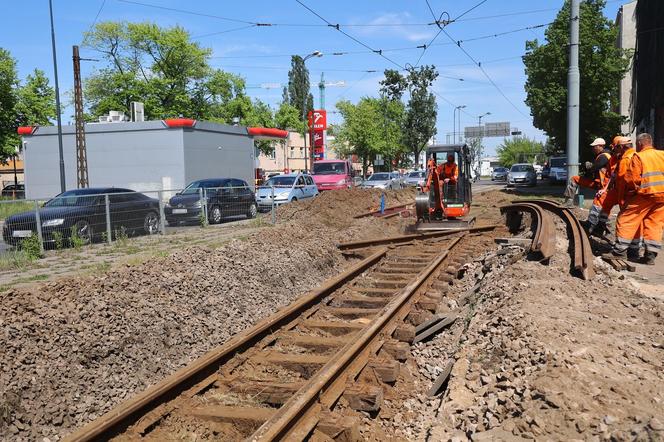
(598, 142)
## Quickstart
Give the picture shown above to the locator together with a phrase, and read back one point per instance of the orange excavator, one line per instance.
(443, 202)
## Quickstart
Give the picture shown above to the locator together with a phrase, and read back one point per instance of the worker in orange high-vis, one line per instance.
(449, 175)
(595, 175)
(608, 196)
(644, 186)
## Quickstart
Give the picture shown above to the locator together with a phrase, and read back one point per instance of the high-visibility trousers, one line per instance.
(646, 212)
(602, 205)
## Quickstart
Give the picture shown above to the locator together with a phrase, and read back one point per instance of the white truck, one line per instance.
(558, 170)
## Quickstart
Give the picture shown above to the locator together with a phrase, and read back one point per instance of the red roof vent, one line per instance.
(179, 122)
(26, 130)
(267, 132)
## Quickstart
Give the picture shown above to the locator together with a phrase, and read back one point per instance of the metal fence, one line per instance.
(80, 217)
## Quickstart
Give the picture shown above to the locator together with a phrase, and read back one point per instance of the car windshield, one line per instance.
(202, 184)
(499, 169)
(330, 168)
(379, 177)
(280, 181)
(521, 168)
(558, 162)
(419, 174)
(73, 198)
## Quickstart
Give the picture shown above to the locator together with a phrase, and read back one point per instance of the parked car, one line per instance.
(14, 191)
(381, 180)
(499, 174)
(223, 197)
(416, 178)
(558, 170)
(399, 178)
(546, 170)
(333, 174)
(82, 212)
(522, 173)
(287, 188)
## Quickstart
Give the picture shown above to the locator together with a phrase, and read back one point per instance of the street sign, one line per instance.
(501, 129)
(473, 132)
(317, 120)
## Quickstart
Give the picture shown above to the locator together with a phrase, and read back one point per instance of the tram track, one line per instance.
(284, 375)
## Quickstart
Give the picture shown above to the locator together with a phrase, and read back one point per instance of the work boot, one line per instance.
(633, 256)
(598, 230)
(649, 259)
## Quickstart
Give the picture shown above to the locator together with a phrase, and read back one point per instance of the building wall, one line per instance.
(212, 150)
(626, 21)
(141, 156)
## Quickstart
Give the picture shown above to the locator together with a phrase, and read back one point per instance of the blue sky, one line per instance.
(261, 54)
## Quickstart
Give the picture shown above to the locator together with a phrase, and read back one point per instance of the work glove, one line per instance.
(588, 165)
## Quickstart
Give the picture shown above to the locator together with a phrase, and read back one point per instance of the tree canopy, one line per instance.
(602, 66)
(298, 87)
(519, 150)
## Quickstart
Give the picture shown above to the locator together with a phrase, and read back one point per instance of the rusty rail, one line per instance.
(127, 413)
(544, 233)
(582, 252)
(386, 210)
(293, 417)
(411, 237)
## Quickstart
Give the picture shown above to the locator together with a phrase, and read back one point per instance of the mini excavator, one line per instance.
(443, 203)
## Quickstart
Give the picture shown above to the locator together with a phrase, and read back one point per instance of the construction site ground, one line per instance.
(541, 354)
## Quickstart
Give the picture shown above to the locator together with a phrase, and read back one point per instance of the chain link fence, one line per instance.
(81, 217)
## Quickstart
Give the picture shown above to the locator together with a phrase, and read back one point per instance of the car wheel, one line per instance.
(294, 199)
(215, 215)
(253, 210)
(83, 230)
(151, 223)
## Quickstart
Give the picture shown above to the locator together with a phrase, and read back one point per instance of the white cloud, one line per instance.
(401, 30)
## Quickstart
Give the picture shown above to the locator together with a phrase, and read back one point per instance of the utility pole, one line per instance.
(309, 157)
(81, 153)
(63, 186)
(573, 84)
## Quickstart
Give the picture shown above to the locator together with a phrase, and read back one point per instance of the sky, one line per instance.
(261, 54)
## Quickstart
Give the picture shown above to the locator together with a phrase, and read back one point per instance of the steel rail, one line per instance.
(544, 235)
(411, 237)
(127, 413)
(284, 424)
(583, 254)
(377, 212)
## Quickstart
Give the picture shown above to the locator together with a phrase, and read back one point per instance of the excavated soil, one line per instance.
(76, 347)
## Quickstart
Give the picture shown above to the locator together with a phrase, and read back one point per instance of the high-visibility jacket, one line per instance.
(646, 172)
(449, 170)
(618, 175)
(600, 168)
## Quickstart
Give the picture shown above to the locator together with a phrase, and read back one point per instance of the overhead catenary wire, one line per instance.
(94, 22)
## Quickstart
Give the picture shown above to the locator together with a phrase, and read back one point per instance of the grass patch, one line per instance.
(15, 260)
(11, 207)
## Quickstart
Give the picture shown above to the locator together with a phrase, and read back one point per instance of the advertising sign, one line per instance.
(318, 138)
(319, 153)
(501, 129)
(317, 120)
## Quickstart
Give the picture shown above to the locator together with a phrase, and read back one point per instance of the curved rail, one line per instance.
(583, 254)
(544, 234)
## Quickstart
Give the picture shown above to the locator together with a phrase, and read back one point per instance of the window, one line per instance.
(310, 181)
(300, 181)
(237, 183)
(292, 152)
(273, 154)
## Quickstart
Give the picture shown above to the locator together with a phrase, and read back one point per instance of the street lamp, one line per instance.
(479, 119)
(304, 110)
(458, 108)
(57, 101)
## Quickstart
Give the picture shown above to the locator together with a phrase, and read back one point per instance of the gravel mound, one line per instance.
(76, 347)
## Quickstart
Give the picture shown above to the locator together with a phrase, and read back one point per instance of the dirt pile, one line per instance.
(550, 355)
(78, 346)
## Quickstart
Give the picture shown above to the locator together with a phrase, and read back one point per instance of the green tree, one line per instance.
(418, 124)
(287, 117)
(298, 86)
(36, 101)
(8, 99)
(519, 150)
(161, 67)
(602, 66)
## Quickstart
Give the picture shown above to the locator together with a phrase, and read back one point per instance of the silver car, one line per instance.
(287, 188)
(416, 178)
(522, 174)
(382, 180)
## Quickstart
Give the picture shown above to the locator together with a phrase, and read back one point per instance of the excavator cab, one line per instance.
(444, 201)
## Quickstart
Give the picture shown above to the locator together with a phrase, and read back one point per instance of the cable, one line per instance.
(94, 22)
(338, 28)
(183, 11)
(223, 32)
(479, 65)
(474, 7)
(440, 29)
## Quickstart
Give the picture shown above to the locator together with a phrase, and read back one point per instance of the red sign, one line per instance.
(318, 137)
(319, 153)
(317, 120)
